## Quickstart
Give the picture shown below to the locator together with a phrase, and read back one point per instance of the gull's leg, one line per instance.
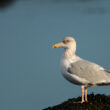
(82, 94)
(85, 94)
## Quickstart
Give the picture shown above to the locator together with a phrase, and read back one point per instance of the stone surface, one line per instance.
(95, 102)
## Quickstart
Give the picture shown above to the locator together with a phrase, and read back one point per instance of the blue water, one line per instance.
(30, 77)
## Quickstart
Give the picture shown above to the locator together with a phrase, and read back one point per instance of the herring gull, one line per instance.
(79, 71)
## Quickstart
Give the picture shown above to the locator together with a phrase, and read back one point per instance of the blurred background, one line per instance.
(30, 77)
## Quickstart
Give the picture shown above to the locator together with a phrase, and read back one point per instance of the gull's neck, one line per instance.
(69, 53)
(69, 57)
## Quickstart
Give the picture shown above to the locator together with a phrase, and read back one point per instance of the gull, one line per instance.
(79, 71)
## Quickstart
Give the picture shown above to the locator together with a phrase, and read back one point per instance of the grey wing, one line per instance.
(91, 72)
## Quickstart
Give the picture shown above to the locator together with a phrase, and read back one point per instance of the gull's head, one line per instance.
(67, 43)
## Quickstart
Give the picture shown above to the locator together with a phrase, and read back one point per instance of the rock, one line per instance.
(95, 102)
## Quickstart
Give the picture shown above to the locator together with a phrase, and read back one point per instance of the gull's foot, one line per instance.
(80, 102)
(86, 101)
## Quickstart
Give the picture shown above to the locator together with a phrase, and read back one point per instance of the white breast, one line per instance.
(65, 64)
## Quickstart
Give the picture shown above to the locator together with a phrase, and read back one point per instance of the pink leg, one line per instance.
(82, 94)
(85, 94)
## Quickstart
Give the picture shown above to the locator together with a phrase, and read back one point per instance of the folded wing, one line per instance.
(89, 71)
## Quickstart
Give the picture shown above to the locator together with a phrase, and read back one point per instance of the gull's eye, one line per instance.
(66, 41)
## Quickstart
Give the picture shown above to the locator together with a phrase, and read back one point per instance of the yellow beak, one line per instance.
(56, 45)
